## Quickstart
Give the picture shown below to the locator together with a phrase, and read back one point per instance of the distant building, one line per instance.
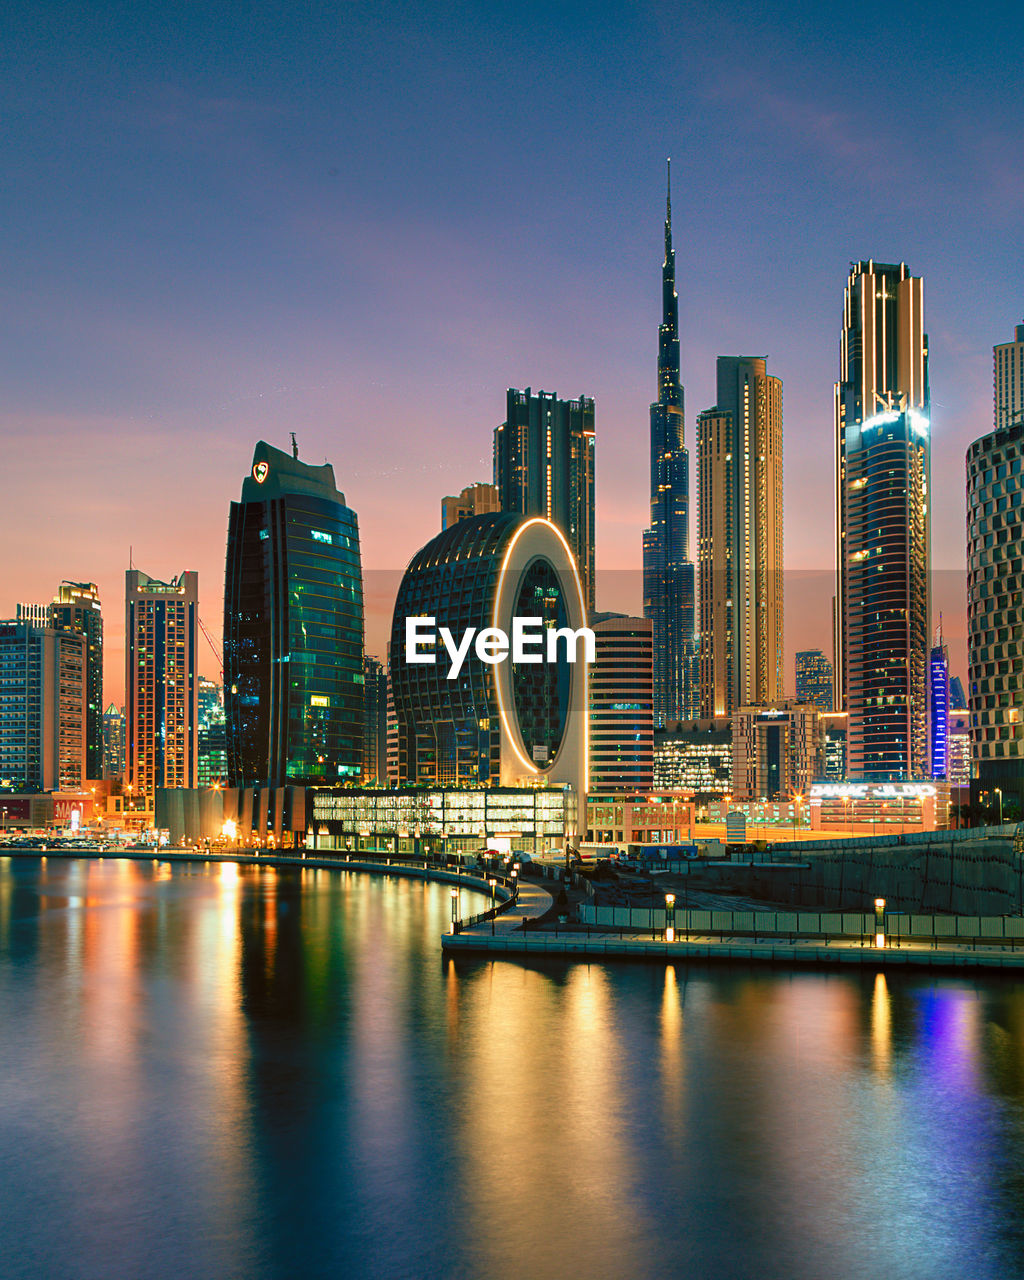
(293, 628)
(739, 444)
(375, 729)
(544, 466)
(77, 607)
(957, 697)
(36, 615)
(42, 708)
(960, 767)
(621, 705)
(213, 743)
(669, 580)
(475, 500)
(1008, 380)
(694, 755)
(814, 679)
(777, 751)
(161, 684)
(113, 744)
(938, 708)
(833, 728)
(392, 734)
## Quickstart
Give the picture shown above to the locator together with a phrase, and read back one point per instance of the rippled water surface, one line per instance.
(208, 1070)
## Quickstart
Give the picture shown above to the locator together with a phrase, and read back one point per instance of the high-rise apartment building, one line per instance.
(77, 607)
(882, 422)
(1008, 379)
(995, 609)
(739, 445)
(113, 743)
(777, 751)
(375, 730)
(544, 466)
(161, 684)
(293, 628)
(213, 744)
(814, 679)
(938, 708)
(42, 708)
(621, 705)
(475, 500)
(36, 615)
(669, 583)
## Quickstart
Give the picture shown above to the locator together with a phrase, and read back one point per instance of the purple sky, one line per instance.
(362, 223)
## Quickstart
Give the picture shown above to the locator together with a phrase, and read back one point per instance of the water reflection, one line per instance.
(241, 1071)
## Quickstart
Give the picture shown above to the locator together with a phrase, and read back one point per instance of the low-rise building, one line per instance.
(776, 750)
(640, 819)
(694, 756)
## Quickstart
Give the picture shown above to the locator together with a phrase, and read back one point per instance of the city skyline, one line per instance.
(186, 278)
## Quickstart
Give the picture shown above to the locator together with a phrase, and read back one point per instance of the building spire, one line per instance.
(669, 387)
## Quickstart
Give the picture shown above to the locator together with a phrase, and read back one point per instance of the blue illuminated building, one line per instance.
(938, 675)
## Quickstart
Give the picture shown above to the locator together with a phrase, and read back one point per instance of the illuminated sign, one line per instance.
(318, 700)
(259, 471)
(868, 790)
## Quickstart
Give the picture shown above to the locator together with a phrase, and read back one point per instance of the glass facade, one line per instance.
(293, 628)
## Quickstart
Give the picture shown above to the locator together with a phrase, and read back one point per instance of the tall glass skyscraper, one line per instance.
(293, 628)
(669, 597)
(883, 449)
(76, 607)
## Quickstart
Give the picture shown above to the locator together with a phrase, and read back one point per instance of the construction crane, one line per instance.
(216, 651)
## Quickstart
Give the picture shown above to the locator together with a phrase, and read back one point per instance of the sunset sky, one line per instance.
(363, 222)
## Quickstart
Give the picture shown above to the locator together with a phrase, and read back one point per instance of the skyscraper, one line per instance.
(882, 423)
(669, 596)
(814, 679)
(740, 545)
(621, 705)
(161, 684)
(76, 607)
(213, 747)
(544, 466)
(938, 708)
(42, 708)
(293, 628)
(475, 500)
(375, 730)
(1008, 379)
(113, 743)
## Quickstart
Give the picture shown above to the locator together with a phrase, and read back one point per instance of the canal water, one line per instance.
(208, 1070)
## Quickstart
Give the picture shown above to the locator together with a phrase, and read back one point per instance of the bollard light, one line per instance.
(492, 882)
(880, 923)
(670, 917)
(455, 910)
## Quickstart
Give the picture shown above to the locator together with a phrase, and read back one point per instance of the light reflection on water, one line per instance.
(221, 1070)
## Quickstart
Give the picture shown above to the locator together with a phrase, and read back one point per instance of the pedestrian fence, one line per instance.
(845, 925)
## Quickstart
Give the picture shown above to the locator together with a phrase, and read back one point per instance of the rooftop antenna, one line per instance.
(295, 447)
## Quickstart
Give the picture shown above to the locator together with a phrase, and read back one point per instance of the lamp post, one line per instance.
(515, 883)
(670, 917)
(455, 910)
(5, 819)
(492, 882)
(999, 793)
(880, 923)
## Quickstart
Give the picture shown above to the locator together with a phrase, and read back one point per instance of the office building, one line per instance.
(957, 697)
(113, 744)
(995, 610)
(938, 708)
(739, 444)
(42, 708)
(777, 751)
(392, 733)
(621, 705)
(161, 684)
(501, 723)
(375, 730)
(882, 417)
(1008, 380)
(544, 466)
(833, 726)
(669, 582)
(293, 628)
(213, 744)
(814, 679)
(475, 500)
(960, 766)
(695, 756)
(77, 607)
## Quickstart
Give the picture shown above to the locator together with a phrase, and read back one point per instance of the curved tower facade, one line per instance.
(293, 628)
(496, 723)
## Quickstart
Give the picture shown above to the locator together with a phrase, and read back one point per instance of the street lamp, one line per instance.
(999, 793)
(455, 910)
(670, 917)
(880, 923)
(515, 882)
(492, 882)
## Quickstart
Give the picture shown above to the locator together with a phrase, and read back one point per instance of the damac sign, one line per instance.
(259, 471)
(492, 645)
